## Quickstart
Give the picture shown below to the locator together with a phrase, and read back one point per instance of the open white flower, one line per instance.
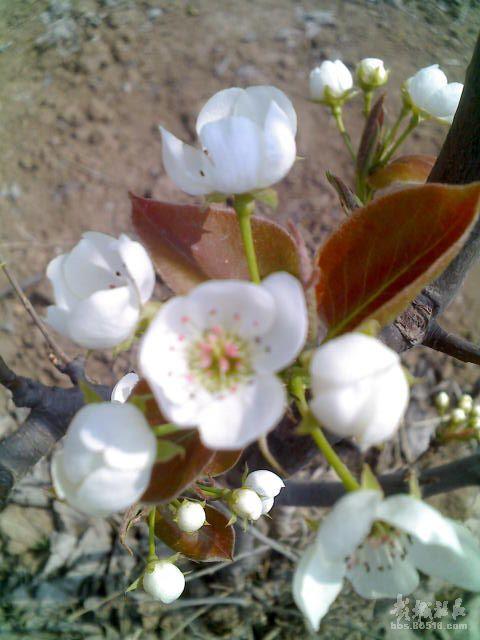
(106, 460)
(267, 485)
(431, 94)
(359, 389)
(124, 387)
(371, 73)
(165, 582)
(99, 288)
(248, 143)
(210, 357)
(331, 82)
(379, 544)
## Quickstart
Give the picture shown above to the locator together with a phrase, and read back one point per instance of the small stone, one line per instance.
(155, 13)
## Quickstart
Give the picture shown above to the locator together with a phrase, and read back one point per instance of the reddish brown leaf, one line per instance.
(404, 169)
(370, 136)
(386, 252)
(222, 461)
(173, 476)
(211, 543)
(189, 243)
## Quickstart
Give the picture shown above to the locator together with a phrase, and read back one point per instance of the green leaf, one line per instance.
(90, 396)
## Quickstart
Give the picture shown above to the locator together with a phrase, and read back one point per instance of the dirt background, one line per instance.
(84, 86)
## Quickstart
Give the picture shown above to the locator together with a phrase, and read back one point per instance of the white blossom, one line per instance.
(99, 289)
(246, 503)
(106, 460)
(431, 94)
(165, 582)
(190, 516)
(359, 389)
(267, 485)
(247, 139)
(124, 387)
(371, 73)
(379, 545)
(330, 82)
(210, 357)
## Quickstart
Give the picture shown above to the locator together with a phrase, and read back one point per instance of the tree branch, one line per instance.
(441, 479)
(457, 163)
(456, 346)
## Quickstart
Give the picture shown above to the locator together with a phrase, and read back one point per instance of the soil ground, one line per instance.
(84, 86)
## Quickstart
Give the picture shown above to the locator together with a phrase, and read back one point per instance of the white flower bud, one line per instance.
(99, 289)
(458, 416)
(476, 411)
(442, 401)
(429, 93)
(246, 504)
(124, 387)
(266, 483)
(106, 460)
(371, 73)
(475, 423)
(465, 403)
(190, 516)
(331, 82)
(165, 583)
(358, 388)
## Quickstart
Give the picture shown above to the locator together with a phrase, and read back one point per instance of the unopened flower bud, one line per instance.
(475, 422)
(442, 401)
(331, 82)
(465, 403)
(266, 483)
(359, 388)
(371, 73)
(190, 516)
(458, 416)
(246, 503)
(165, 582)
(476, 411)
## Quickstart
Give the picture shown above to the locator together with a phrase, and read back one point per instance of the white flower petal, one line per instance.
(280, 346)
(64, 296)
(444, 103)
(263, 96)
(267, 504)
(184, 165)
(424, 83)
(317, 581)
(118, 431)
(104, 319)
(138, 265)
(279, 148)
(57, 318)
(124, 387)
(220, 105)
(358, 509)
(418, 519)
(266, 483)
(460, 567)
(385, 577)
(241, 307)
(235, 419)
(86, 270)
(235, 151)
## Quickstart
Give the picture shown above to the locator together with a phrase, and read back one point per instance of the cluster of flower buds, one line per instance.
(256, 496)
(428, 94)
(463, 415)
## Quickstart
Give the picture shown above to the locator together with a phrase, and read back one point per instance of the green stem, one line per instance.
(337, 114)
(367, 102)
(213, 491)
(151, 535)
(244, 206)
(394, 130)
(310, 424)
(411, 126)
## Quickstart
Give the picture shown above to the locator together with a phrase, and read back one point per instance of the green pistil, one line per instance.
(219, 360)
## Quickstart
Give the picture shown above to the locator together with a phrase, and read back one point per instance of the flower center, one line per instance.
(383, 547)
(219, 359)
